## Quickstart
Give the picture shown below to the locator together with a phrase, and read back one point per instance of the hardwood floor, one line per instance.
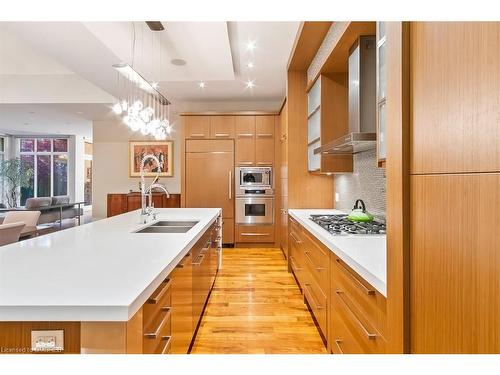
(256, 307)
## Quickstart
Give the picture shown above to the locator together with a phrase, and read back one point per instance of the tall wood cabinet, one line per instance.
(209, 176)
(455, 185)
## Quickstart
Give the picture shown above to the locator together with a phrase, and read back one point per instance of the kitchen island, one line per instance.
(109, 288)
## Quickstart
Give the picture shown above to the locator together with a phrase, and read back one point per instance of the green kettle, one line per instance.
(359, 213)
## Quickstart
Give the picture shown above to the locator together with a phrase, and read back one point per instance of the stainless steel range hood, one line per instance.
(362, 102)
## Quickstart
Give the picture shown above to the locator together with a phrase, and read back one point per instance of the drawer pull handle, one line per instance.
(245, 163)
(183, 264)
(199, 260)
(264, 135)
(155, 334)
(295, 238)
(371, 336)
(222, 134)
(245, 135)
(292, 260)
(264, 163)
(255, 234)
(166, 347)
(197, 135)
(359, 283)
(318, 306)
(311, 261)
(337, 343)
(156, 297)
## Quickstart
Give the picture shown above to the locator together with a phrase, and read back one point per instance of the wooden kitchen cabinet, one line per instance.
(455, 84)
(264, 140)
(350, 314)
(358, 313)
(305, 261)
(222, 127)
(157, 322)
(197, 126)
(119, 203)
(209, 179)
(255, 140)
(245, 141)
(182, 305)
(455, 267)
(262, 233)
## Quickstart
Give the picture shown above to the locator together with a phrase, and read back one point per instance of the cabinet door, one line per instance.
(197, 126)
(182, 309)
(264, 151)
(209, 181)
(264, 126)
(455, 84)
(264, 140)
(455, 265)
(222, 127)
(245, 140)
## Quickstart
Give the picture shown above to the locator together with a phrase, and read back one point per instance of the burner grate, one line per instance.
(340, 224)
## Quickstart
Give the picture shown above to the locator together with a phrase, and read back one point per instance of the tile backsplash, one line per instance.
(367, 182)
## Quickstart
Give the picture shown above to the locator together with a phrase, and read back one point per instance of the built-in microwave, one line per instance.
(253, 178)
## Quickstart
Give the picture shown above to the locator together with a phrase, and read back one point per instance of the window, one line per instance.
(2, 158)
(48, 157)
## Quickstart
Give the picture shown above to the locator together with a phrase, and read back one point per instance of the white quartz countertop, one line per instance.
(101, 271)
(365, 254)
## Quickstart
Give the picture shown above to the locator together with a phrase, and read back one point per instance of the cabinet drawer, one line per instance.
(318, 262)
(318, 303)
(362, 331)
(161, 298)
(255, 233)
(343, 342)
(157, 335)
(295, 228)
(365, 299)
(296, 260)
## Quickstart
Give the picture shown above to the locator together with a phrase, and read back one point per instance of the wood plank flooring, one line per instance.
(256, 307)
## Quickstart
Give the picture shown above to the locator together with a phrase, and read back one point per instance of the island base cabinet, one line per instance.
(182, 306)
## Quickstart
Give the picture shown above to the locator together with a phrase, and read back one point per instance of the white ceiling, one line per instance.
(56, 69)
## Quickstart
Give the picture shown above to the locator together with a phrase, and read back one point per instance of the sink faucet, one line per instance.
(147, 210)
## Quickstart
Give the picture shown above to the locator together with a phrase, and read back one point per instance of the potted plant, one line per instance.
(15, 176)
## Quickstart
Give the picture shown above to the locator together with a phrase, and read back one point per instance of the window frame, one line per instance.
(50, 153)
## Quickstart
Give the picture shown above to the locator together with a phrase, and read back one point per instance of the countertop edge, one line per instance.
(365, 273)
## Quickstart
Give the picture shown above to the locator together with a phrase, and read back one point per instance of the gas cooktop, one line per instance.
(340, 224)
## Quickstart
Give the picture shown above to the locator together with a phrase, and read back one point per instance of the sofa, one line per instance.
(51, 215)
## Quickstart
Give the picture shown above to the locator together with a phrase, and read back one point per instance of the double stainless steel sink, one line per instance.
(169, 226)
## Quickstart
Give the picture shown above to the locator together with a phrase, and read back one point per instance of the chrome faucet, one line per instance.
(147, 209)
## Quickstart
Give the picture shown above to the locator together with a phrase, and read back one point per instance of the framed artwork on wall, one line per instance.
(163, 150)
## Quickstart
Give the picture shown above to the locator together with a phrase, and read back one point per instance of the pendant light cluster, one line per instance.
(142, 107)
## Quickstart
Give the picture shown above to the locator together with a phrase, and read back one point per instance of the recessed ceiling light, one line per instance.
(251, 45)
(250, 65)
(250, 84)
(79, 113)
(155, 85)
(201, 85)
(178, 62)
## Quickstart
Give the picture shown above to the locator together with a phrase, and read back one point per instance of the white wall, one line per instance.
(111, 163)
